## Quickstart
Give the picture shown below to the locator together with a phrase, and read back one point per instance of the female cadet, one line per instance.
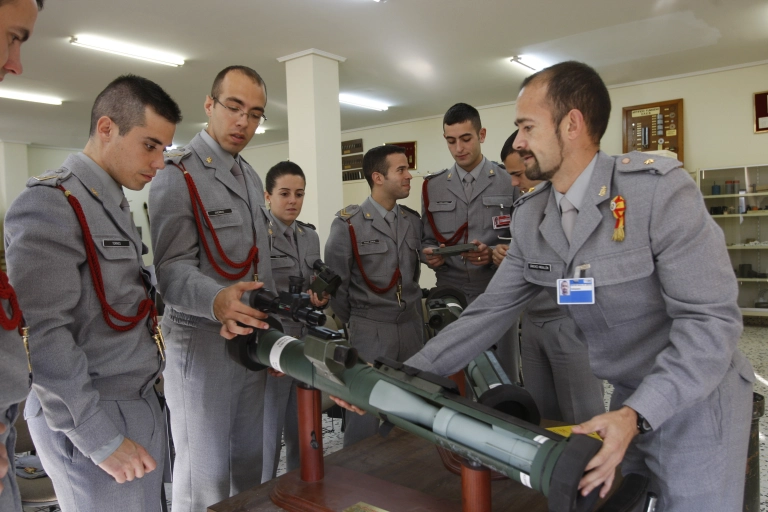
(294, 247)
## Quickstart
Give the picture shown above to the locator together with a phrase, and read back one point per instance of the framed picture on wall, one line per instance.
(410, 152)
(760, 106)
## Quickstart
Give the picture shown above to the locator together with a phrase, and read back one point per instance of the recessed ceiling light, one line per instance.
(126, 50)
(26, 96)
(356, 101)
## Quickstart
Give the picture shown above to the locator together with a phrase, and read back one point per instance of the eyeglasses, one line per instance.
(253, 117)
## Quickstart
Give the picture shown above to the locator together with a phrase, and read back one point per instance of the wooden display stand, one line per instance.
(315, 489)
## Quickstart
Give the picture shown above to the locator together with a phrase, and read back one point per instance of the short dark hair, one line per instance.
(462, 112)
(508, 147)
(249, 72)
(39, 3)
(375, 160)
(574, 85)
(281, 169)
(125, 99)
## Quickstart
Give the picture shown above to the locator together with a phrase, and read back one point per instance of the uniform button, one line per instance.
(625, 161)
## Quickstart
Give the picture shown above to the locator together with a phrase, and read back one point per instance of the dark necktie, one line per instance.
(237, 172)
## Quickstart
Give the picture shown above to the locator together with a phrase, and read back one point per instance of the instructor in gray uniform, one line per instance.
(374, 247)
(210, 247)
(92, 412)
(17, 19)
(663, 336)
(470, 202)
(555, 361)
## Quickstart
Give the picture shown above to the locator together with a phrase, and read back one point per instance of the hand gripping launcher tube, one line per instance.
(428, 406)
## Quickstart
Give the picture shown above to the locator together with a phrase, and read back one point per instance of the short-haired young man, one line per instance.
(375, 247)
(211, 249)
(470, 202)
(75, 255)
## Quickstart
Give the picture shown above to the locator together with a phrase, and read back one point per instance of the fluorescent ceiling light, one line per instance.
(348, 99)
(260, 130)
(26, 96)
(528, 62)
(127, 50)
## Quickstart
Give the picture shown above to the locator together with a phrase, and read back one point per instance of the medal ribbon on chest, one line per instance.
(618, 207)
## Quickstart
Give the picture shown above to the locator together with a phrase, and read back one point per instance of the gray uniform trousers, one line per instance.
(9, 498)
(556, 365)
(81, 485)
(397, 340)
(216, 414)
(507, 348)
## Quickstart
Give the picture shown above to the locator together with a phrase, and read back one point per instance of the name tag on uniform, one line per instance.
(278, 256)
(576, 291)
(501, 222)
(540, 266)
(367, 242)
(214, 213)
(115, 243)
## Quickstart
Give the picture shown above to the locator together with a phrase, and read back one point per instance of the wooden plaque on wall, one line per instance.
(410, 152)
(349, 147)
(654, 126)
(760, 105)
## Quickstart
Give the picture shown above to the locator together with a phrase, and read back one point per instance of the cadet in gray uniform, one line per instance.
(17, 19)
(210, 247)
(294, 247)
(374, 247)
(555, 361)
(92, 412)
(663, 336)
(470, 202)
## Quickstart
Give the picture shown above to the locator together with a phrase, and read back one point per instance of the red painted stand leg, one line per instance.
(460, 381)
(475, 489)
(310, 433)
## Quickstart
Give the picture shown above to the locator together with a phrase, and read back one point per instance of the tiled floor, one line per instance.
(754, 343)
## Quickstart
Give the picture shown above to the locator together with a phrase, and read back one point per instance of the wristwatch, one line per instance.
(642, 424)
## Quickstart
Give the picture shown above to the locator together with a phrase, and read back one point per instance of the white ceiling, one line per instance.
(420, 56)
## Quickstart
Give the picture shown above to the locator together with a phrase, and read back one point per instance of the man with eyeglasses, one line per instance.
(210, 252)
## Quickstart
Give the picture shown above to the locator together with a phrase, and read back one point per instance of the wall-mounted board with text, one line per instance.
(654, 127)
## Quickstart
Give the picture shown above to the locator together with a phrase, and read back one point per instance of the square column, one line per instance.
(314, 132)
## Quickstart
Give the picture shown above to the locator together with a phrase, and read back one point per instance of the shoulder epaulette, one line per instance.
(174, 156)
(348, 212)
(531, 192)
(50, 178)
(653, 164)
(410, 210)
(432, 175)
(306, 225)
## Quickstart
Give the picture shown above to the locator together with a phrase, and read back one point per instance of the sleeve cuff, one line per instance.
(652, 405)
(94, 433)
(101, 454)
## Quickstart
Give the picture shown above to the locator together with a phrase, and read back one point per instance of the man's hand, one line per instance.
(4, 463)
(274, 372)
(499, 253)
(480, 257)
(617, 428)
(433, 260)
(346, 405)
(229, 310)
(129, 461)
(317, 301)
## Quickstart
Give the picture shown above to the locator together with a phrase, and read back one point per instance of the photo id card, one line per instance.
(576, 291)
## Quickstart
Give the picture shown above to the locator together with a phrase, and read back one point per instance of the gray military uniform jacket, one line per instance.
(665, 323)
(287, 261)
(380, 255)
(77, 359)
(492, 195)
(185, 277)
